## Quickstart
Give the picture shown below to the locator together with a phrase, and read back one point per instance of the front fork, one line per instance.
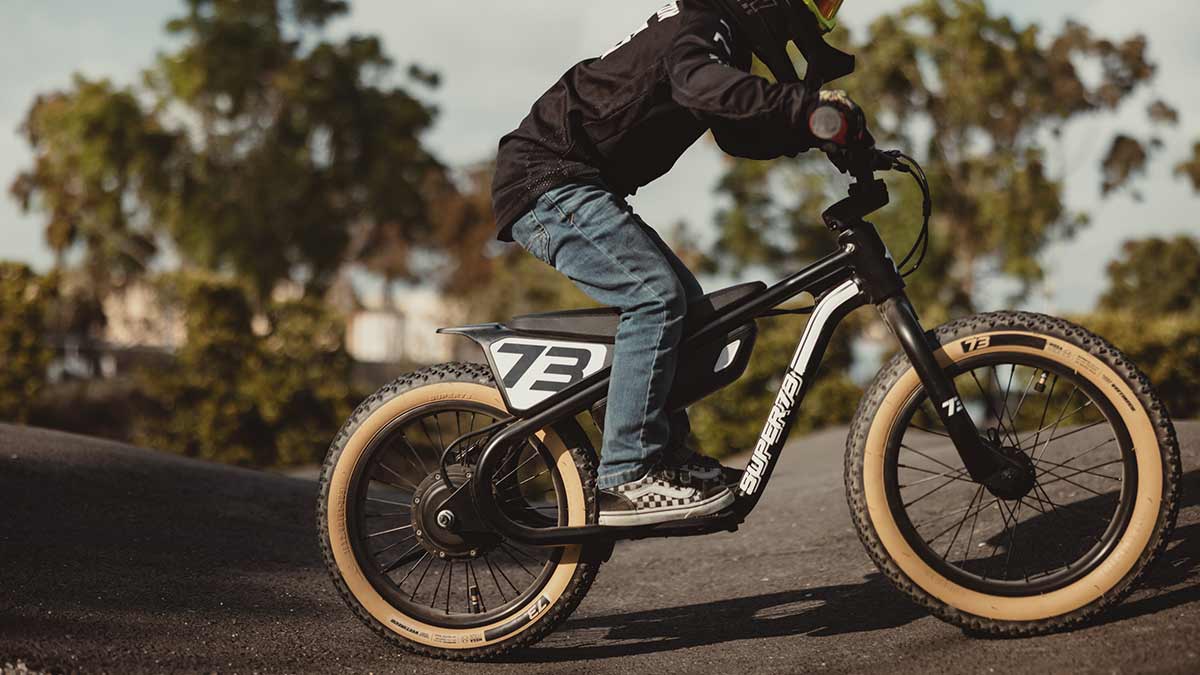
(982, 462)
(882, 282)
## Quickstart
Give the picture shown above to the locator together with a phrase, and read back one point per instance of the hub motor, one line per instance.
(440, 529)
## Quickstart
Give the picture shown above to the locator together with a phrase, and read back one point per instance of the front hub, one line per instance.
(438, 527)
(1015, 480)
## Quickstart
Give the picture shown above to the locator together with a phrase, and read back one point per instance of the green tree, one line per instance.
(1155, 276)
(257, 147)
(24, 299)
(233, 395)
(95, 157)
(1166, 347)
(976, 97)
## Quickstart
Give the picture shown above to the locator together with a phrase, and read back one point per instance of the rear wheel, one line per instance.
(399, 557)
(1071, 534)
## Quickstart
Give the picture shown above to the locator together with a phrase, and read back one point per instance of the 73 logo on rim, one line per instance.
(976, 343)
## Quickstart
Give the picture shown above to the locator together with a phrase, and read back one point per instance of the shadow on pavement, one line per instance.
(872, 605)
(816, 612)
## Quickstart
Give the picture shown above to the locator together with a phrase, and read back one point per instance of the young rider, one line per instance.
(610, 126)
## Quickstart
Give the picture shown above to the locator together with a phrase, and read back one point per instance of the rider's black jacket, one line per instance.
(622, 120)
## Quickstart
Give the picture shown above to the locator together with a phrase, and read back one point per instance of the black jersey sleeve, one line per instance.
(750, 116)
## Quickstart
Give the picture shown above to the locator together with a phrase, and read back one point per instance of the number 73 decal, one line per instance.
(534, 370)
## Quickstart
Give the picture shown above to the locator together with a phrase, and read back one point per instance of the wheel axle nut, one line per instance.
(445, 520)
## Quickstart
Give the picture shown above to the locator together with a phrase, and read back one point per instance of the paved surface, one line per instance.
(124, 560)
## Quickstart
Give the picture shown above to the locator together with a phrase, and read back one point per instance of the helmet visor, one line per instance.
(825, 11)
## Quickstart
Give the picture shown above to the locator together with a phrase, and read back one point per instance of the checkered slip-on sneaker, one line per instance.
(706, 469)
(660, 497)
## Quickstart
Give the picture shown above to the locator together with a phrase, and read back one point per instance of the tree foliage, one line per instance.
(24, 300)
(96, 154)
(976, 96)
(1166, 347)
(245, 397)
(1154, 277)
(258, 147)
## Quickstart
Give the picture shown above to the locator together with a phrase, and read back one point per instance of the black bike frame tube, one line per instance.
(817, 278)
(797, 379)
(901, 318)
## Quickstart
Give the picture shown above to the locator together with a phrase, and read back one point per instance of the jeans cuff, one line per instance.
(612, 480)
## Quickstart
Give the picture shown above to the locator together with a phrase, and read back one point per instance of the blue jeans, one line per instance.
(595, 239)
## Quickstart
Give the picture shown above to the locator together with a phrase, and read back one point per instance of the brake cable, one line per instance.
(906, 164)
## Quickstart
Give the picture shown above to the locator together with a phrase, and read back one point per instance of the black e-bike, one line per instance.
(1011, 472)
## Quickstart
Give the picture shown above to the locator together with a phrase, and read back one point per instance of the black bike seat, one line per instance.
(602, 322)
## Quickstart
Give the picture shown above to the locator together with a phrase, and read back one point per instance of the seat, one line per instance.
(601, 323)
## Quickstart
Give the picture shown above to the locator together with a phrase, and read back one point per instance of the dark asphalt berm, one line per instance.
(117, 559)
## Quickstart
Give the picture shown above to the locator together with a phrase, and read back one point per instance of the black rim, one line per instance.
(1058, 532)
(454, 592)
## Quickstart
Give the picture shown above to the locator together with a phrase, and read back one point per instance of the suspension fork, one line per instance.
(882, 282)
(982, 462)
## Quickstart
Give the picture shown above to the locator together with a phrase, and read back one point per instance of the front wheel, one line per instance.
(1097, 507)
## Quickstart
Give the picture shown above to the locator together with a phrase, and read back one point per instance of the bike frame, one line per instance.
(860, 272)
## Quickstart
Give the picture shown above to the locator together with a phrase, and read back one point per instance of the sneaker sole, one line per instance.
(707, 507)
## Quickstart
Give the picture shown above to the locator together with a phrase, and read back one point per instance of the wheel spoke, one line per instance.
(422, 579)
(1091, 471)
(935, 461)
(393, 545)
(944, 516)
(929, 431)
(1024, 395)
(389, 503)
(936, 489)
(522, 464)
(971, 535)
(958, 475)
(538, 475)
(1066, 507)
(394, 529)
(975, 513)
(487, 561)
(1072, 432)
(413, 450)
(987, 397)
(505, 577)
(518, 562)
(1012, 542)
(403, 559)
(392, 471)
(1058, 478)
(438, 425)
(438, 587)
(1007, 390)
(978, 494)
(424, 555)
(1045, 409)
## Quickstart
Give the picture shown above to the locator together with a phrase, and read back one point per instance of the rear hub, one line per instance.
(440, 528)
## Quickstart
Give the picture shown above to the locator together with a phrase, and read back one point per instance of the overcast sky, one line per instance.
(497, 57)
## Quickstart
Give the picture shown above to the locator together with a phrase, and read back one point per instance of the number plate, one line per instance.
(532, 371)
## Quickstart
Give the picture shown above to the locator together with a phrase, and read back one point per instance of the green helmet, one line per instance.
(769, 25)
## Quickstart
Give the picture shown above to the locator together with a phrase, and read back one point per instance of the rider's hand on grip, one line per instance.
(837, 124)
